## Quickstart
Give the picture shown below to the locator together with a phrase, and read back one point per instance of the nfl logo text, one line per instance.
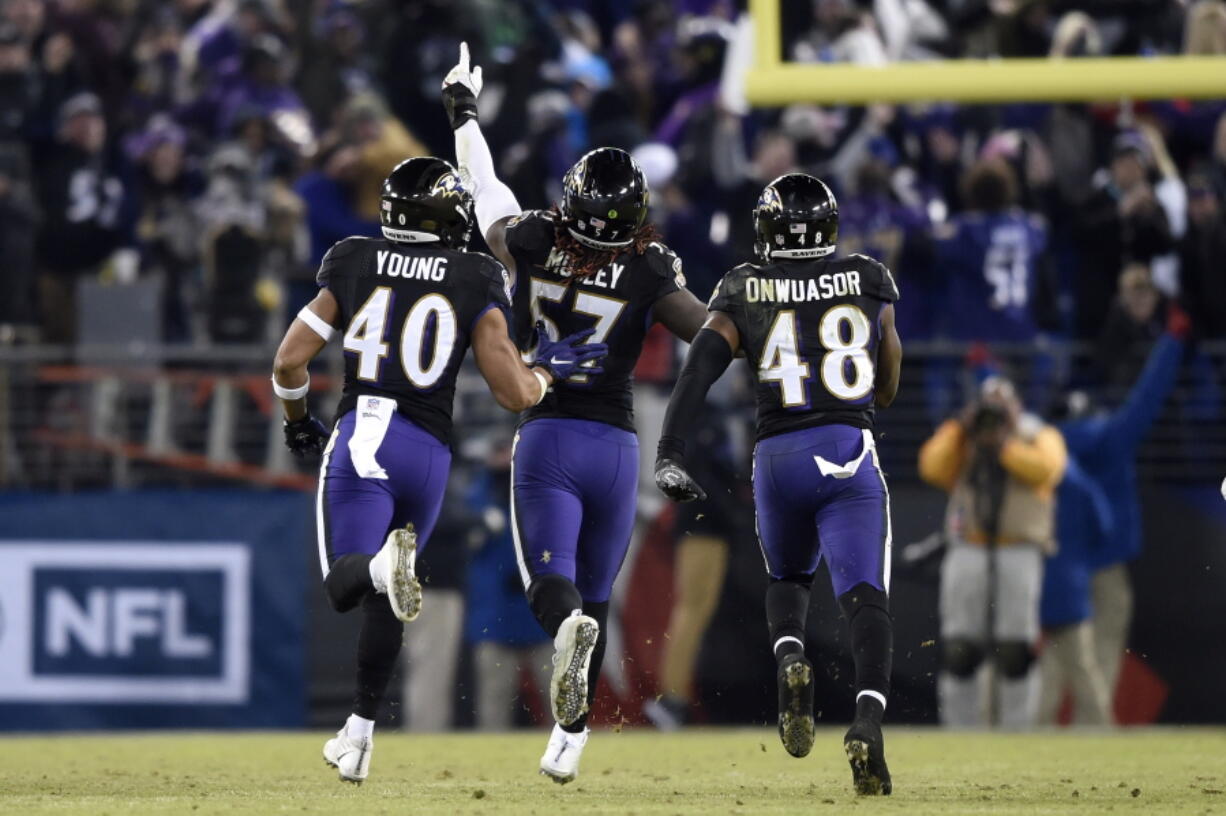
(125, 622)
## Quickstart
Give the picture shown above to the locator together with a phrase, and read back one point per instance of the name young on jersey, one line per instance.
(802, 290)
(417, 267)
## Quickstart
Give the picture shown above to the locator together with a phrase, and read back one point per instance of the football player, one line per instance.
(408, 306)
(593, 263)
(819, 335)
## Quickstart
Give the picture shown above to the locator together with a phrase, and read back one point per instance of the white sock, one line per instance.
(1019, 701)
(376, 576)
(959, 701)
(359, 727)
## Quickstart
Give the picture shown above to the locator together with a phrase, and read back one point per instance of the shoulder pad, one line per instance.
(880, 283)
(731, 286)
(493, 270)
(664, 262)
(336, 258)
(530, 227)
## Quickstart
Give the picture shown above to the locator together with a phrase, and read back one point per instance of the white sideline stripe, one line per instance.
(876, 695)
(887, 554)
(321, 536)
(785, 639)
(519, 547)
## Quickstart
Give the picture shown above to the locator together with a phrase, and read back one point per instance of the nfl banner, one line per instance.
(153, 610)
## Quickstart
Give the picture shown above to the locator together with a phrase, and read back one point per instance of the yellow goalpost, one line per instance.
(773, 82)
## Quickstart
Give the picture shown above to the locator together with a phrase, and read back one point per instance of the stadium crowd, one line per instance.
(220, 146)
(214, 149)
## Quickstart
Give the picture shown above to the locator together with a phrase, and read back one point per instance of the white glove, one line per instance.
(463, 75)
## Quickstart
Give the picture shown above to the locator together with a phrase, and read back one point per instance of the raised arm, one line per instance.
(889, 359)
(514, 385)
(291, 382)
(493, 201)
(709, 356)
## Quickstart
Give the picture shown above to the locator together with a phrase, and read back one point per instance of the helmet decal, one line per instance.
(448, 184)
(612, 213)
(770, 200)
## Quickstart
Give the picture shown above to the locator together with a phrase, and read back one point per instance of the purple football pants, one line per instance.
(820, 495)
(355, 512)
(574, 486)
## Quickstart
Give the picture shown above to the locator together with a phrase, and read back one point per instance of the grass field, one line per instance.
(641, 772)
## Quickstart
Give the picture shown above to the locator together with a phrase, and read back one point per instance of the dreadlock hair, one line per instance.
(583, 261)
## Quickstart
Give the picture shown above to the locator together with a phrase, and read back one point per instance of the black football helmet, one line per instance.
(424, 200)
(604, 199)
(796, 217)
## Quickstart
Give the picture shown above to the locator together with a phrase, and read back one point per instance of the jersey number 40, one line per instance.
(364, 337)
(846, 370)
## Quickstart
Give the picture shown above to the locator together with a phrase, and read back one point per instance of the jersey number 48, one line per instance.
(846, 370)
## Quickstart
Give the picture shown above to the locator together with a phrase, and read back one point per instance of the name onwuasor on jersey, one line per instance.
(802, 290)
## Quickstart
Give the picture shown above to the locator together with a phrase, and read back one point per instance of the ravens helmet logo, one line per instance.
(770, 200)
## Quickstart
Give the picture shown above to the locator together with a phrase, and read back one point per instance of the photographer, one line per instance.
(1001, 468)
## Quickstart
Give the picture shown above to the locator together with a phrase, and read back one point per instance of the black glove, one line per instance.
(306, 435)
(461, 87)
(675, 483)
(562, 358)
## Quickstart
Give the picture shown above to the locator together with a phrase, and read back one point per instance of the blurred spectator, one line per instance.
(1205, 28)
(1104, 444)
(338, 64)
(81, 200)
(234, 219)
(1134, 322)
(382, 143)
(18, 87)
(167, 222)
(1202, 275)
(1001, 468)
(841, 33)
(992, 260)
(432, 644)
(872, 221)
(17, 229)
(1068, 663)
(329, 194)
(509, 644)
(1122, 221)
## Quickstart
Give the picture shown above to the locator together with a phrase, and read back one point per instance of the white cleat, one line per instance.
(392, 571)
(561, 759)
(572, 655)
(350, 756)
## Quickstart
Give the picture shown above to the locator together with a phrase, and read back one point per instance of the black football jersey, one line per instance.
(617, 302)
(810, 333)
(408, 312)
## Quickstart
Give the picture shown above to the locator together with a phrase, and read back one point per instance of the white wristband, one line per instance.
(316, 323)
(291, 393)
(544, 385)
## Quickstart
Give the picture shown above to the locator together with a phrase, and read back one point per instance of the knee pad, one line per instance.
(961, 657)
(1014, 658)
(863, 596)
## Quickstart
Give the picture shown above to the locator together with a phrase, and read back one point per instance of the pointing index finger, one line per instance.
(464, 56)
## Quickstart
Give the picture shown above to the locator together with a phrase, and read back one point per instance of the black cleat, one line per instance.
(865, 749)
(796, 726)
